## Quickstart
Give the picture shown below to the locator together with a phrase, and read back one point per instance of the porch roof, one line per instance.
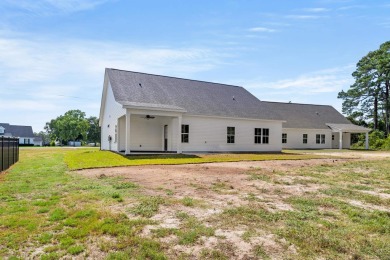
(349, 128)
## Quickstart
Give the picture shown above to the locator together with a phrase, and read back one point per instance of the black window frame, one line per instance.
(185, 134)
(304, 138)
(320, 139)
(231, 133)
(284, 138)
(258, 135)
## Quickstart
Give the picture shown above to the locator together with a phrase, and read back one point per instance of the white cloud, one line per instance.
(49, 77)
(262, 29)
(49, 7)
(303, 17)
(314, 83)
(316, 10)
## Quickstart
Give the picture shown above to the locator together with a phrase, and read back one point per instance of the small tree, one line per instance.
(93, 134)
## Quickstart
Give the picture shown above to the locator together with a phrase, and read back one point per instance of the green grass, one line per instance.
(92, 158)
(45, 206)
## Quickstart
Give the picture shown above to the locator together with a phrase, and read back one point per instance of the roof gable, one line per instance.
(194, 97)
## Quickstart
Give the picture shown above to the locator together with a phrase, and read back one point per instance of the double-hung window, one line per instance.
(261, 135)
(185, 133)
(320, 139)
(304, 140)
(284, 138)
(231, 132)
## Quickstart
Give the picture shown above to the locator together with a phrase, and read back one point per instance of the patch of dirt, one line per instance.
(368, 206)
(215, 187)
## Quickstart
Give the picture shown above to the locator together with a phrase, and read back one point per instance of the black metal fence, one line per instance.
(9, 152)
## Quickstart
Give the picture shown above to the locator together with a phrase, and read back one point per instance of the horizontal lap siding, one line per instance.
(295, 139)
(210, 134)
(112, 111)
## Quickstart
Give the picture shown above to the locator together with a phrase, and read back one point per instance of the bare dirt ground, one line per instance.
(214, 187)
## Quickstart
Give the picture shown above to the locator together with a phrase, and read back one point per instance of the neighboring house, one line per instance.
(144, 112)
(38, 141)
(24, 133)
(314, 126)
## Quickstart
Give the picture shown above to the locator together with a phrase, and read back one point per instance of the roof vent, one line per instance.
(140, 85)
(317, 113)
(234, 98)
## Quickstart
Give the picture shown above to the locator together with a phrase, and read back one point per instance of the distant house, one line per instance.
(24, 133)
(145, 112)
(38, 141)
(314, 126)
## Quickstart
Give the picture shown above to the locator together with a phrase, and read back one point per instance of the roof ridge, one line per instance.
(151, 74)
(288, 103)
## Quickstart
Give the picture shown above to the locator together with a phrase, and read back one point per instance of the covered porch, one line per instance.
(341, 135)
(149, 130)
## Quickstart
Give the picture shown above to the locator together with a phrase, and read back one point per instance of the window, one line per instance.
(261, 135)
(116, 134)
(2, 130)
(257, 135)
(185, 133)
(26, 141)
(320, 139)
(230, 134)
(284, 138)
(305, 138)
(265, 135)
(332, 137)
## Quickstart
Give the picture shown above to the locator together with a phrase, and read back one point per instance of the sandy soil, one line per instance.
(219, 186)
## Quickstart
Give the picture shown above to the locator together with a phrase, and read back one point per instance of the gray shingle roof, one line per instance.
(351, 128)
(306, 115)
(17, 130)
(195, 97)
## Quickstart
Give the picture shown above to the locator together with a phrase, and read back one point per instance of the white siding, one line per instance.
(210, 134)
(29, 140)
(295, 138)
(346, 140)
(112, 112)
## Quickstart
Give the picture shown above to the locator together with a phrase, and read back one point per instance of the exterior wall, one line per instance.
(295, 138)
(147, 135)
(209, 134)
(346, 140)
(112, 112)
(29, 142)
(38, 143)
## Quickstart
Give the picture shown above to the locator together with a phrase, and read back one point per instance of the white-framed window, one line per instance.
(116, 134)
(26, 140)
(2, 130)
(284, 138)
(231, 132)
(304, 138)
(185, 133)
(332, 137)
(261, 135)
(320, 139)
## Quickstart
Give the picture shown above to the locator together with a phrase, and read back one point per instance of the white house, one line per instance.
(24, 133)
(314, 126)
(144, 112)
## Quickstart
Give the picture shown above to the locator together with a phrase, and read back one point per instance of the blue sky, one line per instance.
(53, 52)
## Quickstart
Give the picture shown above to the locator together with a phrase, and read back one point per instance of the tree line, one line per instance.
(367, 101)
(73, 126)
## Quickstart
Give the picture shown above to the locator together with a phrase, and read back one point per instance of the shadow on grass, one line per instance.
(158, 156)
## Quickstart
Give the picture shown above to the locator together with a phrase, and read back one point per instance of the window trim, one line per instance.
(320, 139)
(305, 137)
(284, 138)
(185, 133)
(231, 137)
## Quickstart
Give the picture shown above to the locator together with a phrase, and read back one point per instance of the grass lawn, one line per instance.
(49, 212)
(93, 158)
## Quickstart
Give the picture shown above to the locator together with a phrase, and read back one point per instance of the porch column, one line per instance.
(127, 144)
(179, 134)
(340, 140)
(366, 140)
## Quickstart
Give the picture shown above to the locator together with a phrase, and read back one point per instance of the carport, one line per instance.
(341, 129)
